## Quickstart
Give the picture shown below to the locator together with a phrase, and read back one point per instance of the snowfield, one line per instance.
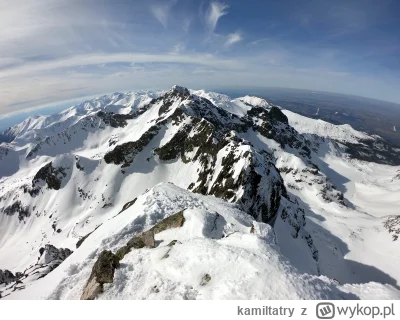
(215, 240)
(274, 205)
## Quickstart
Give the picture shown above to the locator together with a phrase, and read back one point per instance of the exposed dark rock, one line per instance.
(205, 279)
(80, 241)
(377, 150)
(275, 114)
(52, 176)
(78, 165)
(172, 243)
(17, 207)
(51, 254)
(102, 272)
(392, 224)
(49, 259)
(295, 219)
(121, 252)
(145, 239)
(114, 120)
(176, 93)
(6, 277)
(128, 204)
(175, 221)
(125, 153)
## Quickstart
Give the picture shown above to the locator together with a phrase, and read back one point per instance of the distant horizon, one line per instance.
(54, 51)
(18, 117)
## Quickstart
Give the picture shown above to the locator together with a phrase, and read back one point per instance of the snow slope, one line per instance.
(333, 215)
(324, 129)
(215, 240)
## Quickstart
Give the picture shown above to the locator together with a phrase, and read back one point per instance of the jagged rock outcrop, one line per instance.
(6, 277)
(374, 150)
(104, 268)
(210, 135)
(174, 221)
(392, 224)
(49, 258)
(53, 256)
(102, 272)
(17, 207)
(125, 153)
(50, 175)
(146, 239)
(114, 120)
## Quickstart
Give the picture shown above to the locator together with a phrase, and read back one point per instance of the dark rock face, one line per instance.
(104, 267)
(274, 125)
(102, 272)
(52, 176)
(17, 207)
(51, 254)
(125, 153)
(175, 221)
(378, 150)
(275, 114)
(209, 131)
(294, 216)
(7, 277)
(114, 120)
(392, 224)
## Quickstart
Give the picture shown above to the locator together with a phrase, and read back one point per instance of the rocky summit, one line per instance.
(186, 194)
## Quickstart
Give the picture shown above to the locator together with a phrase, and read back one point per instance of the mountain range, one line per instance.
(186, 194)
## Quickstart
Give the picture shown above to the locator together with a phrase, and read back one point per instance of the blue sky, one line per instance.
(55, 51)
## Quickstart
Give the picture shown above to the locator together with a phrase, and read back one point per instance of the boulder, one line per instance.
(205, 279)
(174, 221)
(145, 239)
(6, 276)
(102, 272)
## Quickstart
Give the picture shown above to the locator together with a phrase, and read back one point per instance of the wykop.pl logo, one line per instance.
(325, 310)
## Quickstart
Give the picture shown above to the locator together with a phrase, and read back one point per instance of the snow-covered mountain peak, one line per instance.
(180, 89)
(255, 101)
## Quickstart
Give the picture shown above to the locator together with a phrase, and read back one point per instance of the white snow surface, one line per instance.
(215, 240)
(357, 257)
(342, 133)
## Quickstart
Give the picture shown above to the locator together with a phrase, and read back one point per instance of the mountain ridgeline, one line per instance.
(66, 175)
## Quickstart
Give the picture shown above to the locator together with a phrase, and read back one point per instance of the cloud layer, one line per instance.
(55, 50)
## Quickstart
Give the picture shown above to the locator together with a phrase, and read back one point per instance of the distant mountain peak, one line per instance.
(180, 89)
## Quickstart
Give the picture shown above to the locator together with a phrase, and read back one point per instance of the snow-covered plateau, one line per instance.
(187, 194)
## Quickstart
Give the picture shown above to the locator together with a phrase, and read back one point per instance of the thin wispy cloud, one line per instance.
(100, 59)
(186, 24)
(178, 48)
(258, 41)
(56, 50)
(214, 13)
(161, 11)
(233, 38)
